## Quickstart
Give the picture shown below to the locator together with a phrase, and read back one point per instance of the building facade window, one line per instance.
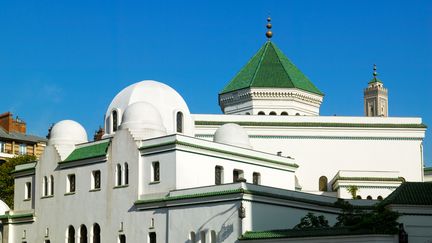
(28, 190)
(71, 183)
(322, 184)
(118, 175)
(256, 178)
(155, 171)
(213, 236)
(380, 198)
(369, 197)
(152, 237)
(284, 113)
(179, 119)
(218, 175)
(122, 238)
(83, 234)
(272, 113)
(114, 116)
(2, 147)
(261, 113)
(70, 234)
(51, 192)
(126, 174)
(192, 237)
(96, 179)
(203, 237)
(22, 149)
(237, 174)
(45, 186)
(96, 233)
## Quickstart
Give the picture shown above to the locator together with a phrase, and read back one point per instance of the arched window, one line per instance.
(192, 237)
(71, 234)
(380, 198)
(126, 174)
(261, 113)
(369, 197)
(51, 185)
(203, 237)
(323, 184)
(114, 116)
(284, 113)
(45, 186)
(256, 178)
(358, 197)
(118, 175)
(152, 237)
(96, 233)
(83, 234)
(247, 113)
(179, 118)
(122, 238)
(218, 175)
(213, 236)
(297, 114)
(272, 113)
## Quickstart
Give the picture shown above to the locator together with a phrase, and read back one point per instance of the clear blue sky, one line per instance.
(68, 59)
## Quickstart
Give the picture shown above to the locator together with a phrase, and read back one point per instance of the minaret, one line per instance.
(375, 97)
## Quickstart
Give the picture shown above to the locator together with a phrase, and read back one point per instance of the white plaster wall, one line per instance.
(167, 167)
(19, 193)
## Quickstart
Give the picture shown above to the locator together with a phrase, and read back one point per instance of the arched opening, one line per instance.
(83, 234)
(70, 234)
(179, 122)
(297, 114)
(323, 183)
(122, 238)
(284, 113)
(380, 198)
(114, 116)
(45, 186)
(213, 236)
(152, 237)
(256, 178)
(192, 237)
(118, 175)
(96, 233)
(369, 197)
(51, 185)
(247, 113)
(272, 113)
(218, 175)
(261, 113)
(358, 197)
(126, 174)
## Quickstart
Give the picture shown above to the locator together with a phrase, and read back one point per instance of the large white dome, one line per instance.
(67, 132)
(162, 97)
(232, 134)
(143, 120)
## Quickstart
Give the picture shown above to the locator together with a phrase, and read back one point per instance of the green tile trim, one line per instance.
(16, 216)
(310, 124)
(411, 193)
(176, 142)
(30, 166)
(320, 137)
(427, 169)
(320, 232)
(88, 152)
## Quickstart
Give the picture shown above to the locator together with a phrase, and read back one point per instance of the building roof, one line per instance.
(91, 150)
(427, 169)
(314, 232)
(270, 68)
(20, 136)
(411, 193)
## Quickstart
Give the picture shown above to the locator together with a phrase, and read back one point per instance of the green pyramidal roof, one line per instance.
(270, 68)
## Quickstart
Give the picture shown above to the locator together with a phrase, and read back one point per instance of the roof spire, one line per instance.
(269, 33)
(375, 74)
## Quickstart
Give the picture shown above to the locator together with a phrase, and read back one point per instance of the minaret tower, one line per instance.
(375, 97)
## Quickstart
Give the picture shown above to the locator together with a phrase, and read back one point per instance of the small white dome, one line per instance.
(164, 98)
(232, 134)
(3, 207)
(144, 119)
(67, 132)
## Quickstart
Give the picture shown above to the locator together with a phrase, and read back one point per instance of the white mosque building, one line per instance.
(162, 174)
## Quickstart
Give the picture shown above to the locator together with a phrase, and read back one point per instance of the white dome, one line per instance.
(67, 132)
(163, 98)
(232, 134)
(3, 207)
(144, 119)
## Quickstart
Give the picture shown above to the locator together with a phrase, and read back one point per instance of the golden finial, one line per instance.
(375, 71)
(269, 33)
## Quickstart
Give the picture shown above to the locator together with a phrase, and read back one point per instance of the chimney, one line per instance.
(12, 125)
(98, 134)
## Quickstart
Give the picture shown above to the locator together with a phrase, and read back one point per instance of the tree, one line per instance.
(7, 180)
(353, 190)
(312, 221)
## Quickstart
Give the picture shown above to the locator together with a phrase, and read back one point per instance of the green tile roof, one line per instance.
(315, 232)
(427, 169)
(270, 68)
(89, 151)
(412, 193)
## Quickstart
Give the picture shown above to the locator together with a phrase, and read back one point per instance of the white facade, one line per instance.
(162, 172)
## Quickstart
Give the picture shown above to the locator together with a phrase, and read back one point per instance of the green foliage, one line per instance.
(311, 221)
(6, 179)
(379, 220)
(353, 191)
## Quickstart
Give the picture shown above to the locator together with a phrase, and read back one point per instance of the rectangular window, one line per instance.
(122, 238)
(152, 237)
(22, 149)
(28, 190)
(2, 147)
(71, 183)
(155, 171)
(218, 175)
(256, 178)
(237, 174)
(96, 179)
